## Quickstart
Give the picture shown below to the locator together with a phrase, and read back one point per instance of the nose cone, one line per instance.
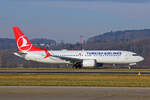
(140, 58)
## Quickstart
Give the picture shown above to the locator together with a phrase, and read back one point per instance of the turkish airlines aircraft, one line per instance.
(78, 58)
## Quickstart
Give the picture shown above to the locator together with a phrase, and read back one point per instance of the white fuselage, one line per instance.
(84, 58)
(104, 56)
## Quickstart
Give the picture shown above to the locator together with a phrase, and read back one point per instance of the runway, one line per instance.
(74, 72)
(73, 93)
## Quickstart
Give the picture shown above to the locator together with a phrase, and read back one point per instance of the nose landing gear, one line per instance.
(131, 65)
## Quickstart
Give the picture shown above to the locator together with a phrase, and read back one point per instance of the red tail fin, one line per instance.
(24, 45)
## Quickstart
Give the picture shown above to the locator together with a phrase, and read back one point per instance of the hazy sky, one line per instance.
(68, 19)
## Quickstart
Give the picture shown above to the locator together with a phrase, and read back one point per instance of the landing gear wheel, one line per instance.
(77, 65)
(129, 67)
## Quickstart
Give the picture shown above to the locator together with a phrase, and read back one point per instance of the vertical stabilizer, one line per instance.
(23, 44)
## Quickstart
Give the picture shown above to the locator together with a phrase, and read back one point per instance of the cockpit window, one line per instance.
(134, 55)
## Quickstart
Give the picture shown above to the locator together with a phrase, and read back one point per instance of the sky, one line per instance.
(68, 19)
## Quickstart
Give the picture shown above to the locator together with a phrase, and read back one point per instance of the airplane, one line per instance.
(77, 58)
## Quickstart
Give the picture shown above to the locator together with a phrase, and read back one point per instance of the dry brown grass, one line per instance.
(74, 80)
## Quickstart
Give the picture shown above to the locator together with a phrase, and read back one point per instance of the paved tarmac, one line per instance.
(73, 93)
(74, 72)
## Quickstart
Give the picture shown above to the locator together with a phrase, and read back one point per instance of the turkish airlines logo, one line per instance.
(24, 44)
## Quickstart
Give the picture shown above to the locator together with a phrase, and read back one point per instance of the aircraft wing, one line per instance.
(68, 58)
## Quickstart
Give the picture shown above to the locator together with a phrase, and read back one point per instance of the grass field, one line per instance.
(111, 80)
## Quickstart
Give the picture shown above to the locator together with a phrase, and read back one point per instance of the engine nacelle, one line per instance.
(88, 63)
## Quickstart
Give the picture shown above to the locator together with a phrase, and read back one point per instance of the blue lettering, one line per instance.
(105, 53)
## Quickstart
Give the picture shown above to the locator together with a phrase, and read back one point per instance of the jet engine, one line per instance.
(88, 63)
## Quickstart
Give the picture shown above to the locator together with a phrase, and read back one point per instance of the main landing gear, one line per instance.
(77, 65)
